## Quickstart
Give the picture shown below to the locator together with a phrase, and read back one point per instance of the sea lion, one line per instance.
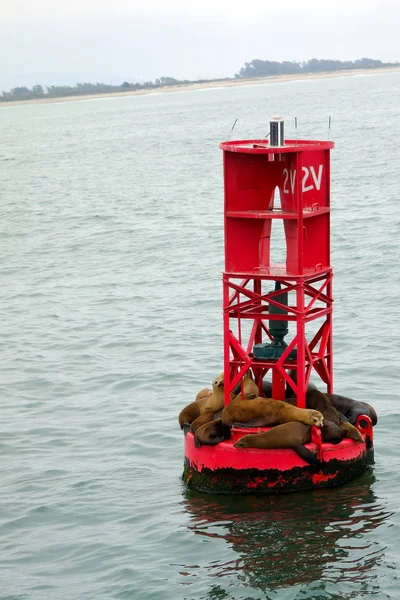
(215, 401)
(316, 400)
(266, 389)
(351, 409)
(250, 389)
(348, 407)
(291, 435)
(201, 420)
(194, 409)
(211, 434)
(266, 411)
(331, 432)
(214, 432)
(211, 405)
(191, 412)
(204, 393)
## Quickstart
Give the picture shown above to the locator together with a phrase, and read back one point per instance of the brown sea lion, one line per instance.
(211, 434)
(316, 400)
(291, 435)
(194, 409)
(191, 412)
(266, 411)
(331, 432)
(266, 389)
(211, 405)
(250, 389)
(348, 407)
(216, 400)
(351, 409)
(204, 393)
(214, 432)
(201, 420)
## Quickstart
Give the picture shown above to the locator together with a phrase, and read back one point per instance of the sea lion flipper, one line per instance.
(211, 433)
(351, 432)
(306, 454)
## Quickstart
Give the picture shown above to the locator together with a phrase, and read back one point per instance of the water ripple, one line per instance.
(112, 252)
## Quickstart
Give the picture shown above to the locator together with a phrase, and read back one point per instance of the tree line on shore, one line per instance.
(250, 70)
(263, 68)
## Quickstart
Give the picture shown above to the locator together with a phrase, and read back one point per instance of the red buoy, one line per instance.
(264, 182)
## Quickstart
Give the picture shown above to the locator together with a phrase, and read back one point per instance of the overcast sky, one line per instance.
(66, 41)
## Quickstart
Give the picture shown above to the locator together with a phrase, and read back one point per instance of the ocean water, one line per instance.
(111, 237)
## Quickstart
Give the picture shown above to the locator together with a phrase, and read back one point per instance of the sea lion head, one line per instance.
(248, 376)
(218, 382)
(316, 418)
(242, 443)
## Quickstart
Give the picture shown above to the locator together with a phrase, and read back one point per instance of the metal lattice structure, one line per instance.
(300, 171)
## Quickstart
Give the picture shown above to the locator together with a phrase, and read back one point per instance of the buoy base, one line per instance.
(223, 469)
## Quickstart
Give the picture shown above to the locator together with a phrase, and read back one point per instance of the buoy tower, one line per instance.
(266, 181)
(255, 290)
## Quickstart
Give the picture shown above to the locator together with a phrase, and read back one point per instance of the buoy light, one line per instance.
(276, 131)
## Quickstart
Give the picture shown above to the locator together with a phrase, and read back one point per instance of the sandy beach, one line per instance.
(209, 85)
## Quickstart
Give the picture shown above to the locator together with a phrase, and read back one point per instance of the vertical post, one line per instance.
(257, 289)
(301, 366)
(299, 203)
(330, 342)
(329, 286)
(301, 333)
(227, 366)
(328, 201)
(258, 336)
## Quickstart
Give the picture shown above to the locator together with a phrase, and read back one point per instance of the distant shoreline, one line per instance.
(218, 83)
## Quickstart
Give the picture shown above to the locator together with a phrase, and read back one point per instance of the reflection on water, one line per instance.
(306, 539)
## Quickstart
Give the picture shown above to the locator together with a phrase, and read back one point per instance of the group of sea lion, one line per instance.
(210, 422)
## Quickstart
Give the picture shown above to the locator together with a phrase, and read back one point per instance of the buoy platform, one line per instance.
(223, 469)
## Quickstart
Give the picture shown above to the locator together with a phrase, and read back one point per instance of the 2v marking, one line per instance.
(290, 179)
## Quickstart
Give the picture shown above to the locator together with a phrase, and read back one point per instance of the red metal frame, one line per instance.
(301, 172)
